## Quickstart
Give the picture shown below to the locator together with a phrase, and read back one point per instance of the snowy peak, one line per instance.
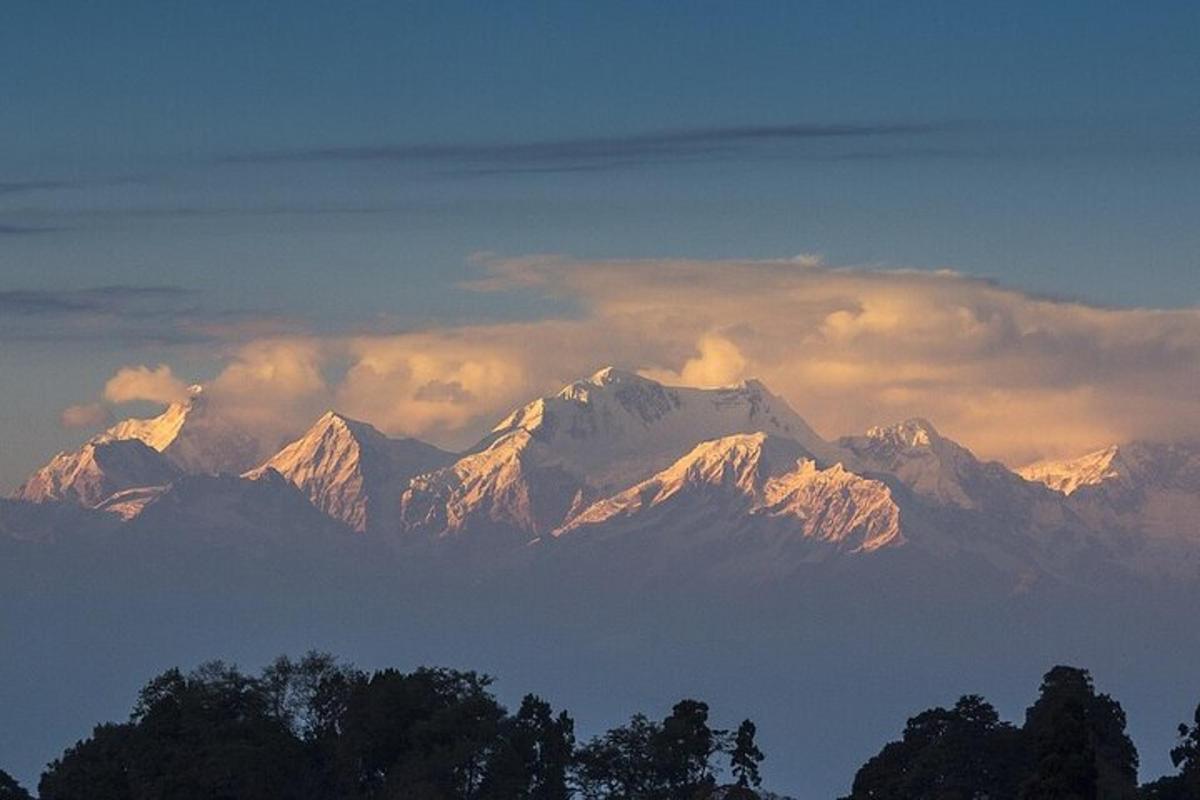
(595, 437)
(185, 438)
(931, 465)
(1068, 475)
(733, 469)
(768, 489)
(916, 433)
(157, 432)
(96, 471)
(192, 436)
(616, 426)
(743, 462)
(1129, 467)
(1145, 488)
(513, 486)
(639, 397)
(352, 471)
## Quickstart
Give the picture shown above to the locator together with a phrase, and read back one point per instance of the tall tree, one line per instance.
(621, 763)
(429, 733)
(962, 753)
(746, 756)
(683, 750)
(1078, 742)
(533, 755)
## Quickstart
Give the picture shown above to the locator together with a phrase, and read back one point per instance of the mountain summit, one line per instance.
(1146, 488)
(192, 437)
(936, 467)
(97, 470)
(594, 437)
(764, 491)
(353, 472)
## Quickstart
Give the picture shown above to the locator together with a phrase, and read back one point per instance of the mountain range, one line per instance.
(732, 475)
(619, 542)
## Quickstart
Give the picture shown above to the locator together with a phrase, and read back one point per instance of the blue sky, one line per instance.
(329, 166)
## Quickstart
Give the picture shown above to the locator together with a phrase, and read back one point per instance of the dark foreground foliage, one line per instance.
(313, 728)
(1073, 746)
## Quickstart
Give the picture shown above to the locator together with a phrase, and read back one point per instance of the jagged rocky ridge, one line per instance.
(618, 458)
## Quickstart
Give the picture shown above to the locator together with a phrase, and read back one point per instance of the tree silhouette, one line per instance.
(619, 764)
(429, 733)
(315, 730)
(1185, 756)
(949, 754)
(684, 748)
(533, 755)
(10, 789)
(94, 769)
(1078, 742)
(746, 757)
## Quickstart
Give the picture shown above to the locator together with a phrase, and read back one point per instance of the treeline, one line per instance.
(314, 728)
(1072, 746)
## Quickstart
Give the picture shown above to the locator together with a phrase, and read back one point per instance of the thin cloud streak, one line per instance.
(76, 301)
(129, 316)
(601, 152)
(27, 230)
(12, 187)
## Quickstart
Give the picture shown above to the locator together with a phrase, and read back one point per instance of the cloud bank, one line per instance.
(1012, 375)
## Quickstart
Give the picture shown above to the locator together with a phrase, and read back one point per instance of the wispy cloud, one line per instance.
(7, 229)
(11, 187)
(19, 187)
(201, 212)
(128, 316)
(100, 299)
(580, 154)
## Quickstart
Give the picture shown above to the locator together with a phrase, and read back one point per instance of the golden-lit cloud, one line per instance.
(158, 385)
(273, 387)
(1012, 375)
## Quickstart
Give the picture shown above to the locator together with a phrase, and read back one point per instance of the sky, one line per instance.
(425, 213)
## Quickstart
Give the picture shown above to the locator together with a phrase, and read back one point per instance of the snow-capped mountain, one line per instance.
(193, 437)
(1120, 469)
(763, 490)
(136, 453)
(97, 470)
(619, 459)
(939, 469)
(352, 472)
(597, 436)
(1147, 487)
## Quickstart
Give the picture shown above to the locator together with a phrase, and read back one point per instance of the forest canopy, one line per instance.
(316, 728)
